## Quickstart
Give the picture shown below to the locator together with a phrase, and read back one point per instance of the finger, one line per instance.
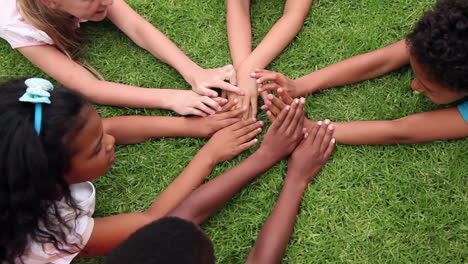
(294, 127)
(197, 112)
(207, 101)
(230, 74)
(270, 116)
(229, 121)
(330, 148)
(265, 76)
(264, 96)
(277, 102)
(319, 137)
(243, 123)
(328, 136)
(224, 94)
(248, 128)
(269, 87)
(220, 100)
(229, 87)
(231, 114)
(274, 110)
(280, 118)
(206, 92)
(247, 145)
(254, 108)
(284, 96)
(250, 135)
(246, 106)
(290, 116)
(203, 107)
(230, 104)
(313, 133)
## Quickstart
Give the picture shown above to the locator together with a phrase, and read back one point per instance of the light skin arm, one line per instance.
(110, 231)
(355, 69)
(279, 36)
(136, 129)
(76, 77)
(281, 139)
(304, 164)
(145, 35)
(428, 126)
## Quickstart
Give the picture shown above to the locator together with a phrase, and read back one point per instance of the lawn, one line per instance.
(371, 204)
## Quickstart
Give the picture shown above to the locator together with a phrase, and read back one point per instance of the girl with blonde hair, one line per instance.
(46, 32)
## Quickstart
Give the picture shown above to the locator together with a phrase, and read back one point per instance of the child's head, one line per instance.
(438, 48)
(35, 169)
(58, 18)
(170, 240)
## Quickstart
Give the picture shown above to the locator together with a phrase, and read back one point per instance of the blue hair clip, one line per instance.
(37, 92)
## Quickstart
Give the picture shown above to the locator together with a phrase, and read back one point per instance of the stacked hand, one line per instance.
(223, 78)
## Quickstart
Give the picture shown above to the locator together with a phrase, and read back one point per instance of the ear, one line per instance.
(51, 4)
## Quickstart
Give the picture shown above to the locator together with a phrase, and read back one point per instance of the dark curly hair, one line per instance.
(169, 240)
(439, 42)
(32, 169)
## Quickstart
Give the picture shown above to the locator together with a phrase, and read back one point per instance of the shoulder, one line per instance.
(16, 31)
(463, 108)
(84, 195)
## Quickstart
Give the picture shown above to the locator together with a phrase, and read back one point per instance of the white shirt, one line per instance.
(84, 196)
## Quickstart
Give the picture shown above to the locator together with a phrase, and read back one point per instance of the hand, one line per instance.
(275, 81)
(274, 104)
(226, 117)
(312, 153)
(186, 102)
(250, 100)
(286, 131)
(232, 140)
(204, 79)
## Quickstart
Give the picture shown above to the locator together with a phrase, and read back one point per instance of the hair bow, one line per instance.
(37, 92)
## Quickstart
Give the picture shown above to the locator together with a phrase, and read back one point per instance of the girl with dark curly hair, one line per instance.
(436, 49)
(53, 143)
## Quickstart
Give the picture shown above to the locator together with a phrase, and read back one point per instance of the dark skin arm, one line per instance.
(304, 164)
(281, 139)
(136, 129)
(428, 126)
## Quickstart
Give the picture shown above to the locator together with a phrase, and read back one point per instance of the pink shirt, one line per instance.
(19, 33)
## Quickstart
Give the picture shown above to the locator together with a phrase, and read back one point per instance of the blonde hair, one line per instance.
(60, 26)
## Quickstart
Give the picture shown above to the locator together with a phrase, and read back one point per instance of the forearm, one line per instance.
(191, 177)
(110, 93)
(136, 129)
(446, 123)
(210, 197)
(355, 69)
(239, 30)
(274, 237)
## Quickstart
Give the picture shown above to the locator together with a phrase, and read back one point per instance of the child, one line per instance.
(54, 143)
(437, 50)
(240, 43)
(46, 33)
(178, 239)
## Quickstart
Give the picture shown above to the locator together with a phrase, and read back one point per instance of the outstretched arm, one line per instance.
(76, 77)
(305, 162)
(279, 36)
(355, 69)
(136, 129)
(440, 124)
(150, 38)
(110, 231)
(281, 139)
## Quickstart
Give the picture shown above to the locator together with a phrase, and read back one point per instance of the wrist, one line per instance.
(306, 85)
(190, 75)
(207, 157)
(196, 127)
(295, 183)
(265, 155)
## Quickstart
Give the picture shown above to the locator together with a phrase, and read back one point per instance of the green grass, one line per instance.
(371, 204)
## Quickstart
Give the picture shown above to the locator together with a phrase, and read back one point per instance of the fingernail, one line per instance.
(319, 123)
(331, 127)
(333, 140)
(302, 100)
(235, 101)
(296, 101)
(327, 121)
(255, 140)
(259, 129)
(306, 135)
(252, 74)
(260, 123)
(287, 107)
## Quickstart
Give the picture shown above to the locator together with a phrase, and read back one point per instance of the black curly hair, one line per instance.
(169, 240)
(32, 169)
(439, 42)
